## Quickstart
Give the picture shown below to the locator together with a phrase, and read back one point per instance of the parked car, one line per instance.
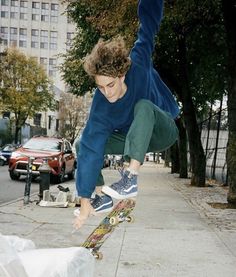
(5, 153)
(149, 157)
(3, 160)
(57, 151)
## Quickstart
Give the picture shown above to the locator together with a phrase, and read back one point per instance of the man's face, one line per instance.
(112, 88)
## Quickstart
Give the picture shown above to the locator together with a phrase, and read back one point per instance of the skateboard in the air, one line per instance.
(120, 213)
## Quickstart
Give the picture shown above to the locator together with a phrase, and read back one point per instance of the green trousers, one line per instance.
(152, 130)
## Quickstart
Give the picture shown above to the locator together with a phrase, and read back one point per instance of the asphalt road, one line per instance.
(11, 190)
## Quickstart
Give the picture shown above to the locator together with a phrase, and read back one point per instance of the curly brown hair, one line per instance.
(108, 58)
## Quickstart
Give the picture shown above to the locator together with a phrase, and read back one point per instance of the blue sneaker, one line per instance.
(101, 204)
(126, 187)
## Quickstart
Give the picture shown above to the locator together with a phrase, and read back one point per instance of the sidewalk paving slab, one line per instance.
(175, 232)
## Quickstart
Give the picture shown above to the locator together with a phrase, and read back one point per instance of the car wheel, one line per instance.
(61, 176)
(71, 175)
(14, 176)
(2, 162)
(33, 178)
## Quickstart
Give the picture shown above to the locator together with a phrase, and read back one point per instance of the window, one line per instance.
(44, 18)
(44, 39)
(52, 67)
(4, 42)
(52, 61)
(43, 61)
(44, 45)
(49, 122)
(37, 119)
(69, 35)
(23, 16)
(14, 15)
(44, 34)
(53, 46)
(53, 40)
(14, 3)
(57, 105)
(67, 146)
(54, 7)
(35, 17)
(4, 2)
(57, 124)
(4, 35)
(34, 32)
(13, 37)
(54, 12)
(23, 43)
(23, 37)
(4, 30)
(34, 44)
(35, 38)
(13, 31)
(69, 20)
(54, 19)
(53, 34)
(52, 73)
(23, 4)
(23, 32)
(35, 5)
(45, 6)
(13, 42)
(4, 14)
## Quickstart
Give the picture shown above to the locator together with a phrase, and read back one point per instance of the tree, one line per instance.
(193, 66)
(73, 112)
(24, 88)
(95, 19)
(229, 13)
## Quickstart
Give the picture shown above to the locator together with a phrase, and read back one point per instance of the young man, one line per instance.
(132, 113)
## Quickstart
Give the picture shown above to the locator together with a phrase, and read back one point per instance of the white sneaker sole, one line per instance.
(107, 190)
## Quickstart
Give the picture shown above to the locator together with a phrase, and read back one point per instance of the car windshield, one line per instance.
(8, 148)
(43, 145)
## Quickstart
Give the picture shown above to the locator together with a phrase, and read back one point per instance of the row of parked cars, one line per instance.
(57, 151)
(5, 153)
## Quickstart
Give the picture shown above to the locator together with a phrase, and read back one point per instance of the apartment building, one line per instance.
(40, 29)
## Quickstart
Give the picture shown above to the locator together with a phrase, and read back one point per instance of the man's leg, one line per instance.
(151, 129)
(114, 146)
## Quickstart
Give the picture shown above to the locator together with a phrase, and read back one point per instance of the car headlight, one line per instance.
(15, 155)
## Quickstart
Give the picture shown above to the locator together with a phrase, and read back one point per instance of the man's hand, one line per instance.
(85, 211)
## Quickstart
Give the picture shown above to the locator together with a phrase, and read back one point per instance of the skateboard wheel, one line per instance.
(130, 219)
(114, 220)
(98, 255)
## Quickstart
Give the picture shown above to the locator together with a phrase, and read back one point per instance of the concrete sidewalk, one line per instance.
(175, 233)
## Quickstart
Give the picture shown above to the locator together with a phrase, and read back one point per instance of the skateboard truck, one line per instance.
(114, 220)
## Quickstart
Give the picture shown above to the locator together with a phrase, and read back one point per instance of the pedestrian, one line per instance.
(132, 113)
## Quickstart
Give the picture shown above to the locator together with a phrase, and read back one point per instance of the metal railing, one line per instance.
(214, 135)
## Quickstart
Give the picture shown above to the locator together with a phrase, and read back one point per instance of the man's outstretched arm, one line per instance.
(150, 14)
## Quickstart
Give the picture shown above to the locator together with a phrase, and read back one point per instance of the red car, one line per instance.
(57, 151)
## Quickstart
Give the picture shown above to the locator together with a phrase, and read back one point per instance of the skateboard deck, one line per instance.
(120, 213)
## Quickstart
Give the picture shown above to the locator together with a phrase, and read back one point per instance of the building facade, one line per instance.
(40, 29)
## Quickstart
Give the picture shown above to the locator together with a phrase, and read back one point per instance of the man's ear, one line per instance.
(122, 78)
